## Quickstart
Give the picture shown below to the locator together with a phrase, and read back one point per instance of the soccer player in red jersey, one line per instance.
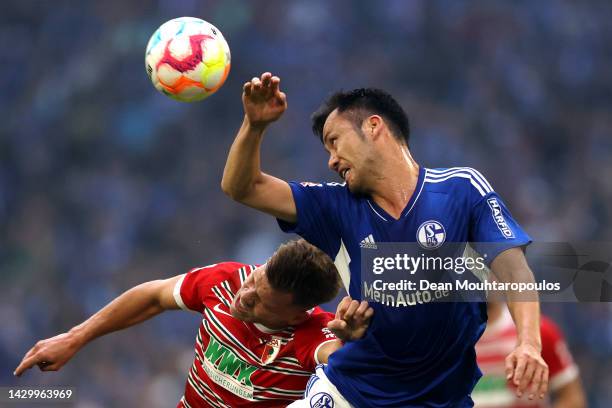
(261, 335)
(494, 391)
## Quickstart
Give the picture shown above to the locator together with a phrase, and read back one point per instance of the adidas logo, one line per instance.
(368, 242)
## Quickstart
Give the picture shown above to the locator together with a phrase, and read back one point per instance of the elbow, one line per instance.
(232, 191)
(227, 188)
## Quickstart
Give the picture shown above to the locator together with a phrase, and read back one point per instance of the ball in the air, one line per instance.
(187, 59)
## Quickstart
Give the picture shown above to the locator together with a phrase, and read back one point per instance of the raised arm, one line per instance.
(525, 365)
(243, 179)
(132, 307)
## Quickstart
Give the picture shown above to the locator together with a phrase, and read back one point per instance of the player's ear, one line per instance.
(372, 126)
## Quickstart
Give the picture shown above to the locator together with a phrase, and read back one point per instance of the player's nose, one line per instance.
(333, 162)
(248, 297)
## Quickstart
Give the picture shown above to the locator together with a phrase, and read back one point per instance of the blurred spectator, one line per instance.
(499, 339)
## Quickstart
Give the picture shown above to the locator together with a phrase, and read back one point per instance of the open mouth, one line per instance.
(344, 173)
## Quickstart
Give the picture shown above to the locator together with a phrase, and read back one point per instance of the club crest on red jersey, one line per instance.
(271, 350)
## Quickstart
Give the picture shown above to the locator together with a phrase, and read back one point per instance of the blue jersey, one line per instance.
(423, 355)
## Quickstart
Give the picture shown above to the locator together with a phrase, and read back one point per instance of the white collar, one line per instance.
(265, 329)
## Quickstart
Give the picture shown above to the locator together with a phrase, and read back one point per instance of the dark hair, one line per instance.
(305, 271)
(364, 101)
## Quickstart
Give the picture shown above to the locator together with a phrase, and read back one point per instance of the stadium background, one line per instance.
(104, 183)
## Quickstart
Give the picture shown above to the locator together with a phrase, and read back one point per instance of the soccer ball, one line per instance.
(187, 59)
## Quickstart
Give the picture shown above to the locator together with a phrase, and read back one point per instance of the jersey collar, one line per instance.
(265, 329)
(409, 206)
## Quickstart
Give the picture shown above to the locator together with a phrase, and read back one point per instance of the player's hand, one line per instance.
(528, 371)
(352, 319)
(263, 101)
(50, 354)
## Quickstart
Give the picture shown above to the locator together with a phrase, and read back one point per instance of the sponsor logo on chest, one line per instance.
(226, 369)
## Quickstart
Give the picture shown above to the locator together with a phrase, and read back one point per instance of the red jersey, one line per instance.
(240, 364)
(499, 340)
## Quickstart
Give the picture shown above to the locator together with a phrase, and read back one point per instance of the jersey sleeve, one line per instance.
(492, 227)
(191, 289)
(310, 336)
(555, 352)
(317, 214)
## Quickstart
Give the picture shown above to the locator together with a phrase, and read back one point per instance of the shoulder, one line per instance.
(550, 331)
(457, 179)
(314, 329)
(317, 320)
(218, 272)
(321, 316)
(323, 193)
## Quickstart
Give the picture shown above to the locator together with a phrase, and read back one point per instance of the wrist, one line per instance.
(79, 336)
(255, 127)
(536, 343)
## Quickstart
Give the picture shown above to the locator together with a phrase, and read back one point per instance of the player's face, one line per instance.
(348, 150)
(257, 302)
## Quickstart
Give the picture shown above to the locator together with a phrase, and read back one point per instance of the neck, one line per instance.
(395, 181)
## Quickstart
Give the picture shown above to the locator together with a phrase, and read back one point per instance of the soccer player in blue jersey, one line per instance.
(418, 356)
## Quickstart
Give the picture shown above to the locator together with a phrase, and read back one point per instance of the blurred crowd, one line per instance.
(105, 183)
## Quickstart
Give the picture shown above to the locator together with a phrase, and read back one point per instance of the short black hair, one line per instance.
(305, 271)
(368, 101)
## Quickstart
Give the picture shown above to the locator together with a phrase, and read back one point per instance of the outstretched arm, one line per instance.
(243, 179)
(132, 307)
(525, 365)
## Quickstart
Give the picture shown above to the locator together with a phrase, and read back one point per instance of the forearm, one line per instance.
(243, 168)
(511, 267)
(526, 316)
(132, 307)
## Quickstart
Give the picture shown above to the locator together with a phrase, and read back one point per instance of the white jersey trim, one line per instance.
(476, 179)
(320, 384)
(177, 294)
(411, 207)
(418, 195)
(465, 176)
(342, 261)
(265, 329)
(177, 289)
(478, 175)
(376, 212)
(563, 378)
